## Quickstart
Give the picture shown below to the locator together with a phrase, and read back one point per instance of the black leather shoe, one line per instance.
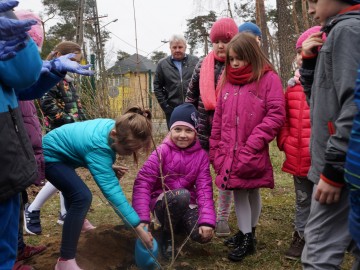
(234, 240)
(245, 248)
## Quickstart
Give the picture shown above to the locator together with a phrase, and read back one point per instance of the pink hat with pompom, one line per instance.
(223, 29)
(36, 32)
(306, 34)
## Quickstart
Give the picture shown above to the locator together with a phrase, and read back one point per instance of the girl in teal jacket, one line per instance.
(93, 144)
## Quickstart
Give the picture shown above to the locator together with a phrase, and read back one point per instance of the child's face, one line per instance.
(321, 10)
(235, 62)
(182, 136)
(219, 48)
(298, 58)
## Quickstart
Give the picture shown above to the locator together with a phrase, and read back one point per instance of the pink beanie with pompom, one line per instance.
(36, 32)
(306, 34)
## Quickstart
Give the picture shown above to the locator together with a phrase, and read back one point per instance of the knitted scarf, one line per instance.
(241, 76)
(208, 92)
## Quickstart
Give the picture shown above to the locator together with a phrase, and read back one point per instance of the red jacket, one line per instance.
(294, 137)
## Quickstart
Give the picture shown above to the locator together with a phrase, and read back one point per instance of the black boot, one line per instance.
(166, 245)
(234, 240)
(246, 247)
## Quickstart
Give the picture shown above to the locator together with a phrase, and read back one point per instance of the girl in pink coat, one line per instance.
(180, 167)
(249, 113)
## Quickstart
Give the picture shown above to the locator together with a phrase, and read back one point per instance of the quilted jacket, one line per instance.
(294, 137)
(247, 118)
(193, 96)
(87, 144)
(182, 168)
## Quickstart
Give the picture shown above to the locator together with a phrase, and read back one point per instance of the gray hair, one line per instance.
(177, 38)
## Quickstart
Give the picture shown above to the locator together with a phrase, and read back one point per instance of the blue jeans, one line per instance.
(9, 218)
(78, 199)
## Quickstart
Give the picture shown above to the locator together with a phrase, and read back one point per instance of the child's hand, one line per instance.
(120, 170)
(145, 236)
(311, 44)
(206, 232)
(326, 193)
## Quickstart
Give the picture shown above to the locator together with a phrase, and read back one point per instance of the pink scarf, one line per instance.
(208, 92)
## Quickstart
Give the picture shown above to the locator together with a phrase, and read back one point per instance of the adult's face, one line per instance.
(177, 49)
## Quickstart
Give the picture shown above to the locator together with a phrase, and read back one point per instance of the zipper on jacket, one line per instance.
(13, 118)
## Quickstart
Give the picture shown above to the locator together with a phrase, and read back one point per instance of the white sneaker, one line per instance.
(67, 265)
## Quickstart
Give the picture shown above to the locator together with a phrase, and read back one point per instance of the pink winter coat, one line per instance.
(294, 137)
(182, 168)
(247, 118)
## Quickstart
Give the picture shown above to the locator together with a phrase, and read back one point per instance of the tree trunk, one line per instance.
(295, 20)
(261, 22)
(286, 43)
(305, 14)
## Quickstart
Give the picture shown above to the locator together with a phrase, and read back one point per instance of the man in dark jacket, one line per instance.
(173, 75)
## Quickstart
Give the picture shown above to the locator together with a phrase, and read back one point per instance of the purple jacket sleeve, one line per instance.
(143, 186)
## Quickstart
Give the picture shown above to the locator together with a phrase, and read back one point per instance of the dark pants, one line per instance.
(78, 199)
(23, 201)
(183, 218)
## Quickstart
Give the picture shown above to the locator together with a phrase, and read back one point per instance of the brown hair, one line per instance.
(134, 129)
(63, 48)
(247, 49)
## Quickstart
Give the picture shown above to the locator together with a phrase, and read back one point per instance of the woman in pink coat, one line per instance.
(180, 171)
(249, 113)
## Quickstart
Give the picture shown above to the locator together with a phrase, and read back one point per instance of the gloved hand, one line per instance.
(46, 67)
(64, 63)
(8, 49)
(11, 28)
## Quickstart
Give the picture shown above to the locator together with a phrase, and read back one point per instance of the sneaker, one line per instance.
(222, 228)
(32, 223)
(297, 245)
(61, 219)
(20, 266)
(87, 226)
(29, 251)
(67, 265)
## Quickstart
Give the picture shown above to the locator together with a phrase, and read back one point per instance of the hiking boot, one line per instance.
(20, 266)
(245, 248)
(67, 265)
(87, 226)
(234, 240)
(166, 246)
(32, 223)
(297, 245)
(222, 228)
(61, 219)
(29, 251)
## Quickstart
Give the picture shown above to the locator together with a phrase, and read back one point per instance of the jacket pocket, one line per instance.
(219, 158)
(249, 165)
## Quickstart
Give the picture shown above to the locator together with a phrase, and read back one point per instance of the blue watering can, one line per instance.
(143, 259)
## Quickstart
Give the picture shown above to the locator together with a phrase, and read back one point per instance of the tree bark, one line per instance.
(294, 15)
(286, 43)
(261, 22)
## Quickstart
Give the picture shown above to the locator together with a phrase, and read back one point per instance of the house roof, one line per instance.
(134, 63)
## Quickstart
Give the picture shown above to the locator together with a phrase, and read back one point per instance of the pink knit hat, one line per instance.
(223, 29)
(306, 34)
(36, 32)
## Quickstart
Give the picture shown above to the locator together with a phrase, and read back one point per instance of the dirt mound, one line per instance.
(107, 247)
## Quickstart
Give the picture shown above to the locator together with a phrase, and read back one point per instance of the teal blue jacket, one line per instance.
(87, 144)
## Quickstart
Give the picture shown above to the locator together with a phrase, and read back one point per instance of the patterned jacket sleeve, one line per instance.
(193, 91)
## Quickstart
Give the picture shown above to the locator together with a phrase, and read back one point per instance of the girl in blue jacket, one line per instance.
(94, 144)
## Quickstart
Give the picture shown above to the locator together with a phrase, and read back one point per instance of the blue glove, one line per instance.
(11, 28)
(64, 63)
(8, 49)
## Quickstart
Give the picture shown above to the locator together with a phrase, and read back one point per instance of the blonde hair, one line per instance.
(134, 129)
(244, 44)
(63, 48)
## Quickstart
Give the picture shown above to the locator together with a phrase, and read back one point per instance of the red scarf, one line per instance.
(243, 75)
